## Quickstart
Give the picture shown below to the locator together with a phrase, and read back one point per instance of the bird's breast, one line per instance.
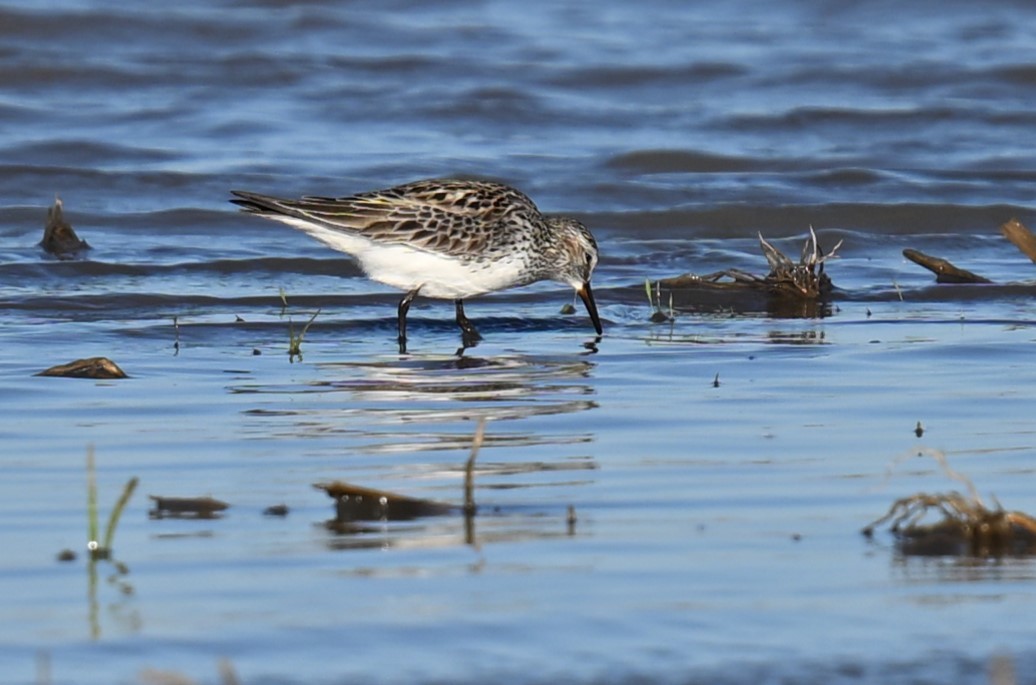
(440, 276)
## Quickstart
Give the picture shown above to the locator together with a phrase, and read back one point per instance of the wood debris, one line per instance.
(358, 503)
(1021, 237)
(59, 239)
(945, 272)
(186, 507)
(92, 367)
(801, 280)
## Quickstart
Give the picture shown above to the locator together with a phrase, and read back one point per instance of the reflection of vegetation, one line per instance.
(284, 300)
(966, 526)
(469, 469)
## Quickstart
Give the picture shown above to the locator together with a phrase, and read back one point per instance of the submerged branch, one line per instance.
(944, 271)
(1021, 237)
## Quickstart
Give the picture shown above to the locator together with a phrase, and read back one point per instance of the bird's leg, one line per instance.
(469, 334)
(404, 307)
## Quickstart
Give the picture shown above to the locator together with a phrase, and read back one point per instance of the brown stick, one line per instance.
(1022, 237)
(944, 271)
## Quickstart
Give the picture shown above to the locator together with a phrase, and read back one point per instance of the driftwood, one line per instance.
(93, 367)
(186, 507)
(944, 271)
(357, 503)
(58, 237)
(1021, 237)
(803, 280)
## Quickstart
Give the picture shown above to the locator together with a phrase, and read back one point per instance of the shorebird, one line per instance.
(446, 239)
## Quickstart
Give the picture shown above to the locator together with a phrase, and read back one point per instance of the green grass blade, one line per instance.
(113, 519)
(91, 499)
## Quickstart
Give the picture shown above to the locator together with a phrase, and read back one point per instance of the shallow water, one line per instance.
(717, 534)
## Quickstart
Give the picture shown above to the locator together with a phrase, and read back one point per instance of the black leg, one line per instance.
(469, 333)
(404, 307)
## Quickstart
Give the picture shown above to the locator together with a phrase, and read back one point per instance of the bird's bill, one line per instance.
(587, 295)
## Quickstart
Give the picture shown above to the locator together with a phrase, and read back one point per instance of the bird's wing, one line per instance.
(449, 217)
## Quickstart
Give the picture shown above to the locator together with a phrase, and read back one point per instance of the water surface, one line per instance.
(717, 526)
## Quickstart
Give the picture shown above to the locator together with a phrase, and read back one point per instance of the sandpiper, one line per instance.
(444, 238)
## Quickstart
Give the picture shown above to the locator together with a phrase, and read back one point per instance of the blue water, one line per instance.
(717, 533)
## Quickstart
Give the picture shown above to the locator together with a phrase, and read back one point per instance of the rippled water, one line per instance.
(716, 534)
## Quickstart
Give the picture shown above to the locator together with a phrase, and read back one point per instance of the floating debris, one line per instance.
(567, 309)
(966, 526)
(276, 510)
(1021, 237)
(58, 237)
(357, 503)
(804, 281)
(945, 272)
(186, 507)
(93, 367)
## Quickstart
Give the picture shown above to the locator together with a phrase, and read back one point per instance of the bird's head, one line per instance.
(576, 260)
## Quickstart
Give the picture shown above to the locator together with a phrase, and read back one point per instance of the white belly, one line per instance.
(408, 269)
